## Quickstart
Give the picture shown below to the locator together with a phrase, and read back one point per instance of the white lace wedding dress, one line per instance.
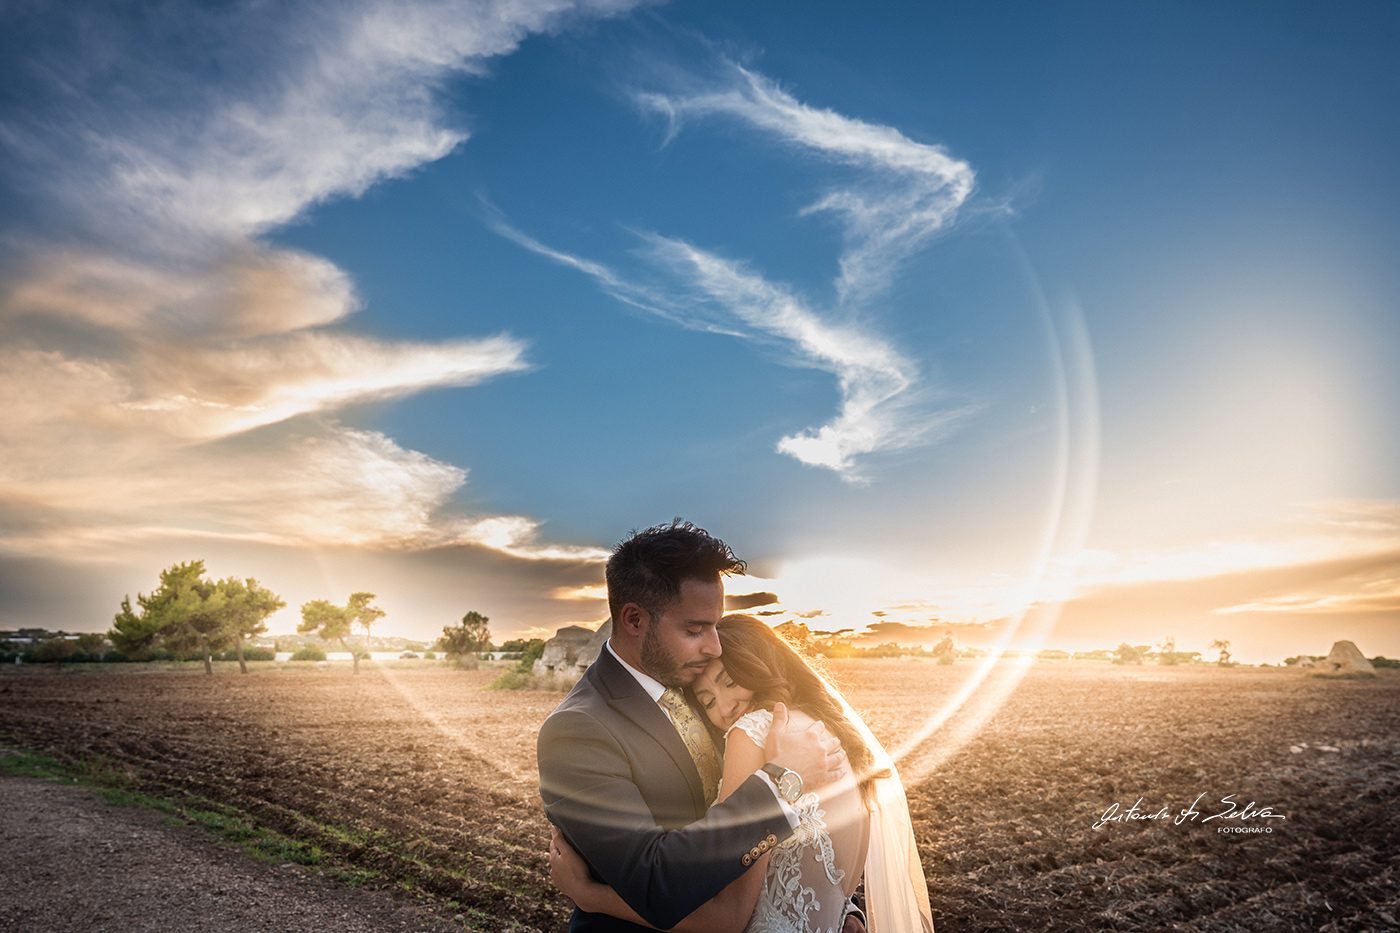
(811, 874)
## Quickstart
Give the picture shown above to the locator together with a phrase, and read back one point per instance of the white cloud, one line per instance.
(879, 405)
(314, 100)
(165, 372)
(872, 374)
(248, 290)
(906, 193)
(325, 486)
(231, 388)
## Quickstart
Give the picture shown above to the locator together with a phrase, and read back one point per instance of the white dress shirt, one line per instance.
(654, 688)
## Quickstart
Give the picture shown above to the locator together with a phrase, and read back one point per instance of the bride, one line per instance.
(859, 823)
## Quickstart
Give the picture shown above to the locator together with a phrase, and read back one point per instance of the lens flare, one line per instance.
(1051, 576)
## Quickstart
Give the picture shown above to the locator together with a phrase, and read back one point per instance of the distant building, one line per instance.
(571, 650)
(32, 636)
(1345, 660)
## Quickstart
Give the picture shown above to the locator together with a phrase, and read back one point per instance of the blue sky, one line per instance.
(1060, 323)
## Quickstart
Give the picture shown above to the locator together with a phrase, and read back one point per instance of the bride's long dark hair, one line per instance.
(761, 660)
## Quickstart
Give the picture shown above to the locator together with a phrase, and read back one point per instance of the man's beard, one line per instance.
(658, 663)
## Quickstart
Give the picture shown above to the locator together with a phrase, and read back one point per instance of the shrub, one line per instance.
(250, 653)
(309, 653)
(51, 650)
(516, 679)
(429, 655)
(1382, 661)
(534, 650)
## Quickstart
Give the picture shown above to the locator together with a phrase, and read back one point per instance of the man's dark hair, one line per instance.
(649, 567)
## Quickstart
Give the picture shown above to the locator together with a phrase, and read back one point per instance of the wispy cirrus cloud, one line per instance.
(877, 411)
(230, 120)
(167, 371)
(904, 194)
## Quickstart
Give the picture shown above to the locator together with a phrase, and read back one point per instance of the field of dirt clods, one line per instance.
(424, 781)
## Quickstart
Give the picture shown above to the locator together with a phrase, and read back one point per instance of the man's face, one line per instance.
(681, 639)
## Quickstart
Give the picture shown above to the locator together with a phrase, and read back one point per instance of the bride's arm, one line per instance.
(727, 912)
(741, 759)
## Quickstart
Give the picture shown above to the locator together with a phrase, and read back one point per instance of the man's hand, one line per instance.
(814, 753)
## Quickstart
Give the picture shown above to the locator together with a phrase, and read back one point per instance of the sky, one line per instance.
(1044, 324)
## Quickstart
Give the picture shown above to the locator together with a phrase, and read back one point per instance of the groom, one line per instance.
(627, 768)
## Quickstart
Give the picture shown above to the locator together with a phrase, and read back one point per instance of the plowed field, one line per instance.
(423, 780)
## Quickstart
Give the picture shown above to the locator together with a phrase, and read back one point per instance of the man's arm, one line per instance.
(727, 912)
(590, 793)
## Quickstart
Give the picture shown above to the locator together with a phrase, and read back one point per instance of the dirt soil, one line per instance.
(74, 864)
(426, 783)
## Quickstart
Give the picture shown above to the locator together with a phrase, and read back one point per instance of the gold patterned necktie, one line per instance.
(697, 741)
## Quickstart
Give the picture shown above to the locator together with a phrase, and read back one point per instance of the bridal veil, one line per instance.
(896, 895)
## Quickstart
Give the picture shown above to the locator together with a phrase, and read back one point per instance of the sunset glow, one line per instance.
(1037, 346)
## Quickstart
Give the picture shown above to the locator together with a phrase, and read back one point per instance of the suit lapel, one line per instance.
(625, 695)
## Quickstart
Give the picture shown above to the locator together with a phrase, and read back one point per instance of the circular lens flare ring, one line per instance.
(1051, 575)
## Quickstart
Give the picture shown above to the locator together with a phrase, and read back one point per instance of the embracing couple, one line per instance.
(701, 776)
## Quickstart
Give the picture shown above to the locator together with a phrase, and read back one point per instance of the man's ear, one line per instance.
(632, 620)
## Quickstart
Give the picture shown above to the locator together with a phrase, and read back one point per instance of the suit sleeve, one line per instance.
(590, 793)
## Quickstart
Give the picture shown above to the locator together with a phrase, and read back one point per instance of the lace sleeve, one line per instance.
(755, 726)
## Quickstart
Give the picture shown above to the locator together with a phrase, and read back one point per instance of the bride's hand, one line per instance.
(569, 873)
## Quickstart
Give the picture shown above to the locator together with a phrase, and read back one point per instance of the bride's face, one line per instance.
(723, 700)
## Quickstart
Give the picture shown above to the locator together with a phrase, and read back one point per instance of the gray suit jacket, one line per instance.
(616, 778)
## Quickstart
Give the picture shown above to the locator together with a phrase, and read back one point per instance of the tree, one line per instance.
(49, 650)
(91, 645)
(364, 614)
(249, 605)
(470, 635)
(135, 633)
(198, 620)
(1127, 654)
(131, 634)
(330, 622)
(186, 611)
(534, 650)
(1224, 648)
